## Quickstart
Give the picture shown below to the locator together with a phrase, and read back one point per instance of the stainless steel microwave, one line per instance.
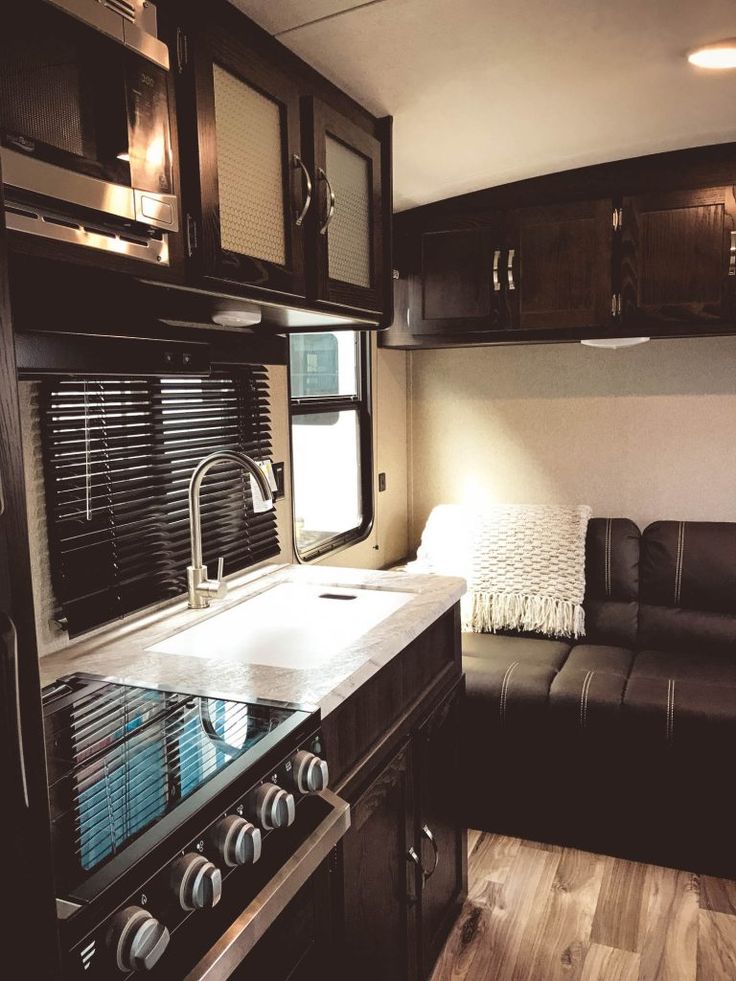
(85, 131)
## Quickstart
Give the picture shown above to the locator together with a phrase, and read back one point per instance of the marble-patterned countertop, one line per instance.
(122, 651)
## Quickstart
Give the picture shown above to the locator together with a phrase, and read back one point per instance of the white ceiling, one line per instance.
(483, 92)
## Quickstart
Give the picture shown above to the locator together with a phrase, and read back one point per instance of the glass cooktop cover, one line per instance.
(120, 758)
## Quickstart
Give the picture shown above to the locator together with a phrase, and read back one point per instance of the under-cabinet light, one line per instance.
(718, 55)
(614, 342)
(246, 317)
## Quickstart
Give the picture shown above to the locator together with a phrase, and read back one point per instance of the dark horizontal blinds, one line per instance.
(118, 456)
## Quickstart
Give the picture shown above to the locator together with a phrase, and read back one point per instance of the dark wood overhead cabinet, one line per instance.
(346, 226)
(679, 258)
(247, 185)
(286, 181)
(636, 247)
(461, 287)
(557, 266)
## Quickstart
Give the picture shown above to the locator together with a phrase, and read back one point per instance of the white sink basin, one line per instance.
(287, 626)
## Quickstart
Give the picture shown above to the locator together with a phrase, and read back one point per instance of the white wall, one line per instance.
(646, 433)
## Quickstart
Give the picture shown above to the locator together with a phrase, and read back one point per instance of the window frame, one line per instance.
(362, 404)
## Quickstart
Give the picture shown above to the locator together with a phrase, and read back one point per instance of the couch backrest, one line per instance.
(612, 582)
(688, 587)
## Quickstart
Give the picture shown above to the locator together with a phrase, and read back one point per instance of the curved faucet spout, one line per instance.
(201, 589)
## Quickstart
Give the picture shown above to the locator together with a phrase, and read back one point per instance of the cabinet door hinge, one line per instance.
(191, 236)
(182, 50)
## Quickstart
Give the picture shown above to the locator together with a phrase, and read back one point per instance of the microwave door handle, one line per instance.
(11, 680)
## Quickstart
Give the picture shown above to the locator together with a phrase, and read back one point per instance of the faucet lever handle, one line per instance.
(220, 568)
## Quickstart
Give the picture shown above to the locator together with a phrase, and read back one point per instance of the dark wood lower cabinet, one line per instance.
(404, 862)
(381, 907)
(380, 888)
(442, 841)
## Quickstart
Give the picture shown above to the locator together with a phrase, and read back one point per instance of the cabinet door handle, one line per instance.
(426, 833)
(10, 644)
(510, 269)
(331, 201)
(496, 280)
(298, 162)
(415, 857)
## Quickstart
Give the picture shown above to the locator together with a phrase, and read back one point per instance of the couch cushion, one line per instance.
(505, 648)
(688, 587)
(702, 668)
(587, 693)
(692, 719)
(508, 681)
(612, 581)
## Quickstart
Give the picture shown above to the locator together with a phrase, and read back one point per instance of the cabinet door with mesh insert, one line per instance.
(252, 184)
(679, 258)
(348, 216)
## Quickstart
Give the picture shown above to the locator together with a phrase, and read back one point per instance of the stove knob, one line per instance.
(197, 883)
(271, 807)
(309, 773)
(136, 939)
(236, 841)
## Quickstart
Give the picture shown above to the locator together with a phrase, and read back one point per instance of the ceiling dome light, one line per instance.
(719, 54)
(614, 342)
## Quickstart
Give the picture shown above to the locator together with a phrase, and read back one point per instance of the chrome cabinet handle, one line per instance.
(496, 280)
(414, 856)
(10, 642)
(298, 162)
(426, 833)
(510, 269)
(732, 256)
(332, 201)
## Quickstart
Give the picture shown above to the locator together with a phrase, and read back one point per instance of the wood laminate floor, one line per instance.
(545, 913)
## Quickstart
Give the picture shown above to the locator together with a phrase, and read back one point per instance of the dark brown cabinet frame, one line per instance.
(321, 121)
(217, 46)
(29, 927)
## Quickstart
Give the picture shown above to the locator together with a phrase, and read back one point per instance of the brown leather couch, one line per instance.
(624, 742)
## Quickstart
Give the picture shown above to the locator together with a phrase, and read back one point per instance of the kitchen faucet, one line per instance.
(201, 589)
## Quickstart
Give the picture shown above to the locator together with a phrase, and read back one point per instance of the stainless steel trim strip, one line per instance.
(156, 252)
(237, 942)
(30, 174)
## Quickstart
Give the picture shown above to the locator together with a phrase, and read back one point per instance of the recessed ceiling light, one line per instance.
(614, 342)
(719, 54)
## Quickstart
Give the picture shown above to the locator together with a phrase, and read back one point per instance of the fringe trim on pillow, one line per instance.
(517, 611)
